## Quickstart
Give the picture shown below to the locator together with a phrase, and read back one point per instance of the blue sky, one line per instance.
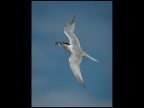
(53, 83)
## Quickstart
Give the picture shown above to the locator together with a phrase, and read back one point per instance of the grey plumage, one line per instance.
(75, 49)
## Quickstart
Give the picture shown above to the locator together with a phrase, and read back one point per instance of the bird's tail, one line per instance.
(88, 56)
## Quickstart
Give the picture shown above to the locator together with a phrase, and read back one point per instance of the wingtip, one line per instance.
(73, 18)
(83, 84)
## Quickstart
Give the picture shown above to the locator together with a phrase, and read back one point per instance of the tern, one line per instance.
(73, 46)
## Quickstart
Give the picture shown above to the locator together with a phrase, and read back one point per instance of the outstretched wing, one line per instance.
(75, 61)
(69, 31)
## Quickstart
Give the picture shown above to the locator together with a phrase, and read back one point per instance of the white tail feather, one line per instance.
(88, 56)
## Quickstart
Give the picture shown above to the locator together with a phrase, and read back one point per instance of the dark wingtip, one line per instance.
(83, 84)
(74, 17)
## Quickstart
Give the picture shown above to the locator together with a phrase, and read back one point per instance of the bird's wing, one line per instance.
(75, 61)
(69, 31)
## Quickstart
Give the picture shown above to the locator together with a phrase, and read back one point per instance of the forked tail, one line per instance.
(88, 56)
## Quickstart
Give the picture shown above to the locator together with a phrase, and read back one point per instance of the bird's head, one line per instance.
(65, 45)
(61, 44)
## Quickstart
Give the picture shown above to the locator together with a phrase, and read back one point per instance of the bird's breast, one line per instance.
(68, 48)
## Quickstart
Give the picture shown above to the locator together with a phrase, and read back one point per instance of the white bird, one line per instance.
(75, 49)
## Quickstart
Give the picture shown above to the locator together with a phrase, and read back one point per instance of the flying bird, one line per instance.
(73, 46)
